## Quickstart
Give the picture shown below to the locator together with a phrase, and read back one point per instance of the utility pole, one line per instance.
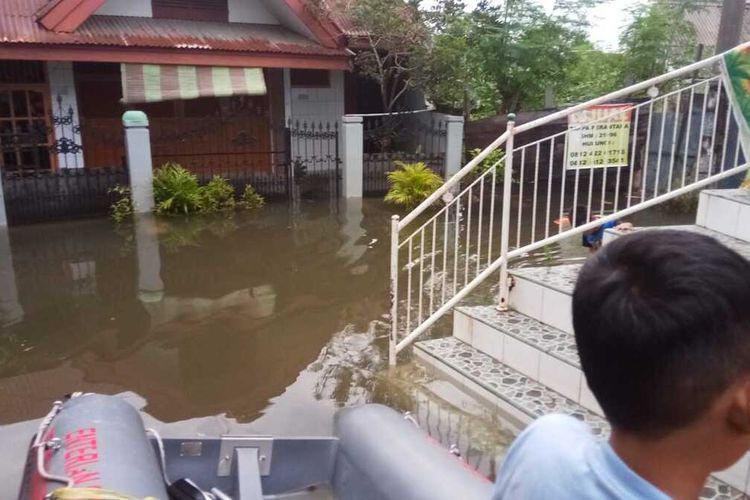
(730, 26)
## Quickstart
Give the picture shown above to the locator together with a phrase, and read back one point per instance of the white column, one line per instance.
(287, 95)
(65, 110)
(352, 153)
(454, 144)
(10, 309)
(138, 155)
(150, 284)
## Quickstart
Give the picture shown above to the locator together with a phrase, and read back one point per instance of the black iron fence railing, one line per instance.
(44, 195)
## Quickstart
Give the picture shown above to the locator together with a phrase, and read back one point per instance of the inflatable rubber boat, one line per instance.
(92, 446)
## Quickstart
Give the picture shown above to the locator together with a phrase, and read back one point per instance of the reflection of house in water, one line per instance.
(222, 326)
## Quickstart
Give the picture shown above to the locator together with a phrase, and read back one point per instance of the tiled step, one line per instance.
(739, 246)
(726, 211)
(545, 293)
(524, 400)
(541, 352)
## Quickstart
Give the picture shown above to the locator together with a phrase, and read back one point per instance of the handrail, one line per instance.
(452, 181)
(456, 249)
(518, 252)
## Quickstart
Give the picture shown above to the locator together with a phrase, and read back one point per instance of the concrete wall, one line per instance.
(135, 8)
(62, 86)
(314, 103)
(250, 11)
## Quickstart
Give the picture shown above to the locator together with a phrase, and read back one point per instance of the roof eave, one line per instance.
(163, 55)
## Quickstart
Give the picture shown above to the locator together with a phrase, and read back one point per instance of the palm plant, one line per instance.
(176, 190)
(411, 184)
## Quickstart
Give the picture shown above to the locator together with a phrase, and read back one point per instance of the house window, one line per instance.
(310, 78)
(24, 122)
(24, 116)
(194, 10)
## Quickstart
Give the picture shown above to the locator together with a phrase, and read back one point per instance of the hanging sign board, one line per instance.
(598, 137)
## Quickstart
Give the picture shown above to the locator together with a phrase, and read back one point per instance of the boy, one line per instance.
(662, 323)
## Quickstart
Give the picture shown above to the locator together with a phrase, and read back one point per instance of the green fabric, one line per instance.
(256, 84)
(737, 81)
(152, 82)
(188, 80)
(222, 82)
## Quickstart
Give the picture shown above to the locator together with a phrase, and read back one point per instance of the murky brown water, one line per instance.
(275, 319)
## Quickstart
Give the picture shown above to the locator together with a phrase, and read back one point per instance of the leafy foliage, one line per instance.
(657, 40)
(393, 49)
(123, 207)
(176, 190)
(411, 184)
(217, 195)
(746, 183)
(250, 199)
(494, 159)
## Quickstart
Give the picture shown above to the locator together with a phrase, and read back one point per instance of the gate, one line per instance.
(392, 139)
(41, 170)
(278, 160)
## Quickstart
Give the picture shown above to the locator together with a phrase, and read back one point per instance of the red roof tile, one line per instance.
(18, 25)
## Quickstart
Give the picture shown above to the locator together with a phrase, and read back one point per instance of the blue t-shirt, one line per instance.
(558, 457)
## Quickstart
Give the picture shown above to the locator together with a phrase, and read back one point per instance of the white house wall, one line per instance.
(135, 8)
(250, 11)
(319, 104)
(63, 96)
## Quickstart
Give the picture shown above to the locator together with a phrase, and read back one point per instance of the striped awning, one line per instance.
(155, 82)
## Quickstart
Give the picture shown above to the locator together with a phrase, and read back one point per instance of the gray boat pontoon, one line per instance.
(94, 446)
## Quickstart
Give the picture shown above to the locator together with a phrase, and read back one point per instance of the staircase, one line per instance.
(518, 353)
(524, 361)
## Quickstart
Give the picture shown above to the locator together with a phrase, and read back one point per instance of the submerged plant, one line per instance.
(123, 207)
(411, 184)
(250, 199)
(217, 195)
(176, 190)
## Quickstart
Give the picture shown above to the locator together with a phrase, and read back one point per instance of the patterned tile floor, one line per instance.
(530, 397)
(739, 246)
(545, 338)
(560, 278)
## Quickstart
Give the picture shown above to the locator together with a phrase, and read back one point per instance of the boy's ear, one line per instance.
(738, 414)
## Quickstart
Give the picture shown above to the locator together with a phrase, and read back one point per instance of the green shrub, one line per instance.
(411, 184)
(494, 158)
(217, 195)
(746, 183)
(250, 199)
(123, 207)
(176, 190)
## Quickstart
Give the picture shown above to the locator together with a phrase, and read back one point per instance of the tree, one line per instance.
(526, 50)
(393, 49)
(594, 73)
(657, 40)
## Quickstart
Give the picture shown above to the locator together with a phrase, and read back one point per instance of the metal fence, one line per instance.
(44, 195)
(376, 167)
(681, 138)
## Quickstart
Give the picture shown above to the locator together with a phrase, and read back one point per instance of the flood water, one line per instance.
(273, 319)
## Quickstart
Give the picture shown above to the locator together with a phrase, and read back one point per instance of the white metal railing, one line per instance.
(683, 136)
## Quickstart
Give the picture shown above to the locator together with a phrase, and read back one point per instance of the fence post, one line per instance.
(454, 144)
(3, 215)
(352, 138)
(138, 157)
(11, 311)
(505, 224)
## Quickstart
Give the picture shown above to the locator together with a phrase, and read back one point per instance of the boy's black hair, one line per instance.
(662, 323)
